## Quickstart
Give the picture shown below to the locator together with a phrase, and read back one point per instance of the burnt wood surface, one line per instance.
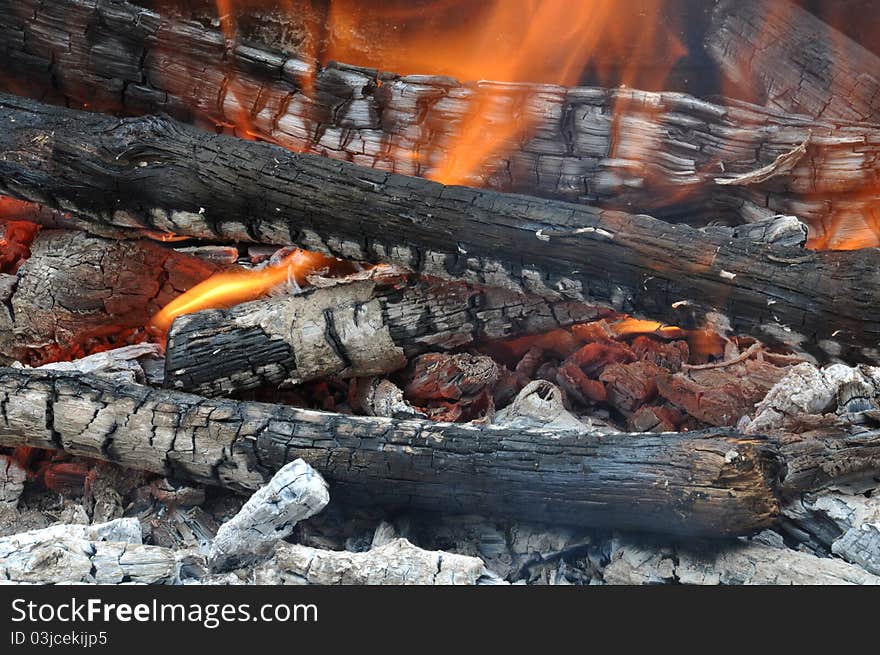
(75, 289)
(370, 324)
(709, 483)
(781, 55)
(641, 152)
(161, 175)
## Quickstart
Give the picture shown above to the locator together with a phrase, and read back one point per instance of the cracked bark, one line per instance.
(108, 553)
(74, 287)
(700, 483)
(381, 320)
(622, 149)
(159, 174)
(690, 483)
(785, 57)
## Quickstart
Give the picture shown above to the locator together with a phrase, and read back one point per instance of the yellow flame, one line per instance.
(232, 288)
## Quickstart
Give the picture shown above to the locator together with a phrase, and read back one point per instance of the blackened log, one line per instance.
(707, 483)
(368, 324)
(158, 174)
(624, 149)
(75, 288)
(781, 55)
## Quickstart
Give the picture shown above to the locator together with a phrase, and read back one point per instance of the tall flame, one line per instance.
(232, 288)
(509, 41)
(539, 41)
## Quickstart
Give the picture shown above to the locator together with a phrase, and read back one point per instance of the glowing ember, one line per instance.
(232, 288)
(703, 343)
(16, 233)
(634, 326)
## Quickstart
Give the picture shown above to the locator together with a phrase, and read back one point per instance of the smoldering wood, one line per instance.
(623, 149)
(294, 493)
(375, 396)
(398, 562)
(690, 483)
(737, 563)
(163, 175)
(74, 287)
(12, 209)
(784, 56)
(368, 324)
(810, 397)
(539, 405)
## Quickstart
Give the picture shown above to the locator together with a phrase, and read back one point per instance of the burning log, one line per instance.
(366, 324)
(794, 62)
(122, 57)
(708, 483)
(76, 291)
(162, 175)
(621, 149)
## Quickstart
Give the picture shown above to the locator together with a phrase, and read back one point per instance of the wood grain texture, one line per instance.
(368, 324)
(623, 149)
(709, 483)
(156, 173)
(781, 55)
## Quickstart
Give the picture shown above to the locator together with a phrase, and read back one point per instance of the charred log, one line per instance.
(782, 55)
(165, 176)
(622, 149)
(709, 483)
(75, 289)
(368, 324)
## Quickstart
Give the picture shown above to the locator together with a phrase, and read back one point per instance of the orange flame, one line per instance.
(705, 342)
(228, 289)
(508, 41)
(541, 41)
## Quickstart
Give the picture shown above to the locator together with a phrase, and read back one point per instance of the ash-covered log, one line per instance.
(75, 289)
(779, 54)
(161, 175)
(367, 324)
(708, 483)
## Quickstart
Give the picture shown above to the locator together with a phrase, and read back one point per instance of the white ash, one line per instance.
(128, 363)
(807, 391)
(539, 405)
(295, 492)
(739, 562)
(398, 562)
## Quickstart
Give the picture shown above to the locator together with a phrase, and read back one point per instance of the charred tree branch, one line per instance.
(155, 173)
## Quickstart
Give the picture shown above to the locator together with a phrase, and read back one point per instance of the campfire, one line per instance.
(450, 291)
